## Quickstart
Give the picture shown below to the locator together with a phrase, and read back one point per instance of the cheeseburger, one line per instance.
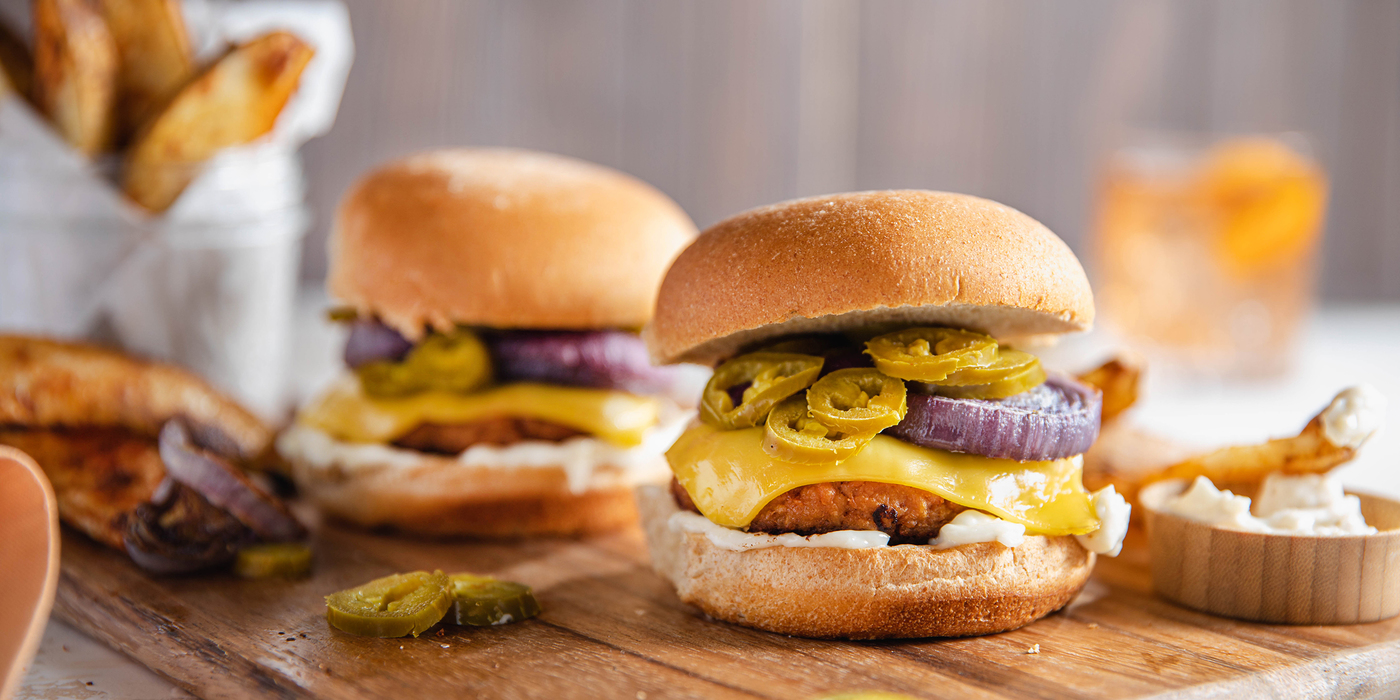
(874, 457)
(495, 382)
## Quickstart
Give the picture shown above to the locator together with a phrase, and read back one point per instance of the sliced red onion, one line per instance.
(224, 485)
(181, 532)
(371, 340)
(844, 357)
(603, 359)
(1057, 419)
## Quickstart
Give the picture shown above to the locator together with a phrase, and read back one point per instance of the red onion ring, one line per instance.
(181, 532)
(371, 341)
(1057, 419)
(603, 359)
(225, 486)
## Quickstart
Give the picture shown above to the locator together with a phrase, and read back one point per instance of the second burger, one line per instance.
(496, 384)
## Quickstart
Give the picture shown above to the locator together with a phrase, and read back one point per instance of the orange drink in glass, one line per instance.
(1206, 254)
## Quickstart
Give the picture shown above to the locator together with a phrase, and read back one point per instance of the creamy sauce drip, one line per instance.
(579, 457)
(1353, 416)
(1114, 517)
(1304, 504)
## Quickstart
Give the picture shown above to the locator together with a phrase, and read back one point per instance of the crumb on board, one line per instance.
(1093, 625)
(1035, 649)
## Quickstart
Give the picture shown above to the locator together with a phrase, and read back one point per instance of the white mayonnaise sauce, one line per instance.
(738, 540)
(972, 526)
(579, 457)
(1114, 516)
(1304, 504)
(1353, 416)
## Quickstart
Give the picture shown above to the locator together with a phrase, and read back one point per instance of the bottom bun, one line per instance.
(875, 593)
(425, 494)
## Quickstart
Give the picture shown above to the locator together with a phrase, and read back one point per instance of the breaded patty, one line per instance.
(438, 438)
(908, 515)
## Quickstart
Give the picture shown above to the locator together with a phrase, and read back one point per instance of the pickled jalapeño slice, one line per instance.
(930, 354)
(857, 400)
(482, 601)
(793, 435)
(393, 606)
(273, 559)
(1009, 364)
(765, 378)
(457, 361)
(1028, 378)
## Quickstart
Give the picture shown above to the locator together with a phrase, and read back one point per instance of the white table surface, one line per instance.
(1344, 345)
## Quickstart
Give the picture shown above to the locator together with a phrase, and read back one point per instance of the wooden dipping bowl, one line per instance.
(28, 562)
(1287, 579)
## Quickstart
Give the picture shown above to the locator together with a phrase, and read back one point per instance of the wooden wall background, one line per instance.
(728, 104)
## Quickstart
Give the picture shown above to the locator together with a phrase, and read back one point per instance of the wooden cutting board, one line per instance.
(610, 628)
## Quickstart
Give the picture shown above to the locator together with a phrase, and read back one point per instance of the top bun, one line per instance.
(851, 261)
(505, 239)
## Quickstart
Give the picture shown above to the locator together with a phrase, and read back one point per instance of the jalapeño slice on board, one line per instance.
(393, 606)
(273, 559)
(482, 601)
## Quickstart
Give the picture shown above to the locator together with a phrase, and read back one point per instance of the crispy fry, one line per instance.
(1307, 453)
(48, 384)
(233, 102)
(75, 67)
(1310, 452)
(16, 64)
(155, 59)
(1118, 379)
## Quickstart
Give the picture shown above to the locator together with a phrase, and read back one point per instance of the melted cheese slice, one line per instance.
(730, 478)
(617, 417)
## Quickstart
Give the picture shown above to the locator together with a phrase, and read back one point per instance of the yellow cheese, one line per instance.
(730, 478)
(347, 413)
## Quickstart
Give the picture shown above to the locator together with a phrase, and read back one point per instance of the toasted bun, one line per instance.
(503, 238)
(850, 261)
(440, 496)
(878, 593)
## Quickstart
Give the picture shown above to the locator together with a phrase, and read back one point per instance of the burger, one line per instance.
(495, 382)
(877, 455)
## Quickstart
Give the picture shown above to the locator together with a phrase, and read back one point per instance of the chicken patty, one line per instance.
(439, 438)
(908, 515)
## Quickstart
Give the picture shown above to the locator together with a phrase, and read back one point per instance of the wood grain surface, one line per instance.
(1276, 578)
(611, 628)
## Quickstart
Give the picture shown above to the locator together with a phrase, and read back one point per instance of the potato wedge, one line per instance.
(16, 64)
(1309, 452)
(154, 57)
(75, 68)
(233, 102)
(1118, 379)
